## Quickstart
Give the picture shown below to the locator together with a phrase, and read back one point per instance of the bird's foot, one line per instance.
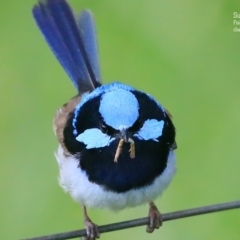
(155, 220)
(92, 231)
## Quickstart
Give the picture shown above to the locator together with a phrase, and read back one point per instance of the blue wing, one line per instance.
(71, 43)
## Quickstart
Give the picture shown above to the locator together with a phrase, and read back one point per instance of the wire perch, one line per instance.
(143, 221)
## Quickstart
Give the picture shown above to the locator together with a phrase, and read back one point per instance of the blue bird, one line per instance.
(116, 144)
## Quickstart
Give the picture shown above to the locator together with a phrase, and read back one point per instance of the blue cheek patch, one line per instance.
(94, 138)
(119, 108)
(151, 130)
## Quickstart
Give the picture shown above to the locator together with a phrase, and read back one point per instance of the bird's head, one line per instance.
(117, 112)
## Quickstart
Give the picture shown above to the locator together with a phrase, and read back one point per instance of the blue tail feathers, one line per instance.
(74, 43)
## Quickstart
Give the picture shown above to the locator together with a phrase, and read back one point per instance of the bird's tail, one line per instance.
(72, 40)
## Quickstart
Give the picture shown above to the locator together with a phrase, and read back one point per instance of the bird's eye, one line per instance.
(136, 126)
(104, 128)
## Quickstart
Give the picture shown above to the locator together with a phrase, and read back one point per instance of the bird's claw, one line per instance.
(155, 221)
(91, 230)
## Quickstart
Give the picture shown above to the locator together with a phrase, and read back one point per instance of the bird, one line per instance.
(116, 143)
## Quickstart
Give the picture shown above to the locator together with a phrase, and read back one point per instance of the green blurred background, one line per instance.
(184, 53)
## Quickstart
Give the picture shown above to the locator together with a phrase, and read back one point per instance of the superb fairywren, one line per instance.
(116, 144)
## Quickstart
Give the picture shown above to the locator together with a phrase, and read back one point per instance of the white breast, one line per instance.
(75, 181)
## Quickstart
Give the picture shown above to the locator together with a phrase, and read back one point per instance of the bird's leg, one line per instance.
(91, 228)
(155, 220)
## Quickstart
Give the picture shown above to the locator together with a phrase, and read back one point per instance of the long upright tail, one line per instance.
(73, 41)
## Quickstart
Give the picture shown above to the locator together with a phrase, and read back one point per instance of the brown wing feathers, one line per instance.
(61, 118)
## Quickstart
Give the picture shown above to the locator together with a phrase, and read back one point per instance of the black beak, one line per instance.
(124, 135)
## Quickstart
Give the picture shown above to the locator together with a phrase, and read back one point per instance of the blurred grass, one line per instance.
(183, 53)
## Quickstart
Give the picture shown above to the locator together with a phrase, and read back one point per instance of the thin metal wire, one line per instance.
(143, 221)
